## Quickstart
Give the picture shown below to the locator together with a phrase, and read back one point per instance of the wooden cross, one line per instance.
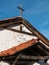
(21, 9)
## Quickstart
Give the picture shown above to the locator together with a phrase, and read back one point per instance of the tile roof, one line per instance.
(18, 48)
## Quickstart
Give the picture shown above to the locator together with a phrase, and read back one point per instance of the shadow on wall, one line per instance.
(40, 62)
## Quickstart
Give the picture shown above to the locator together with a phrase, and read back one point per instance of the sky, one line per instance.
(36, 12)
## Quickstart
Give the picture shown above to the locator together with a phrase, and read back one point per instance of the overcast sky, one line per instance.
(36, 12)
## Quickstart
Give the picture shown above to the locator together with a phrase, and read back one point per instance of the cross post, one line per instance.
(21, 9)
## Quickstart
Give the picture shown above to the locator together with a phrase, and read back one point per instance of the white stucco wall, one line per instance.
(3, 63)
(9, 38)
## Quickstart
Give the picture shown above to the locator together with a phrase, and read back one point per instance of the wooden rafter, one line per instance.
(37, 33)
(33, 57)
(8, 24)
(19, 31)
(43, 46)
(10, 21)
(42, 49)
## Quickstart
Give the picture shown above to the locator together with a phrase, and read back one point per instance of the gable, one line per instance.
(9, 38)
(11, 35)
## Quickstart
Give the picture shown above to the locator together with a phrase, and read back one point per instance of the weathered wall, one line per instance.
(9, 38)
